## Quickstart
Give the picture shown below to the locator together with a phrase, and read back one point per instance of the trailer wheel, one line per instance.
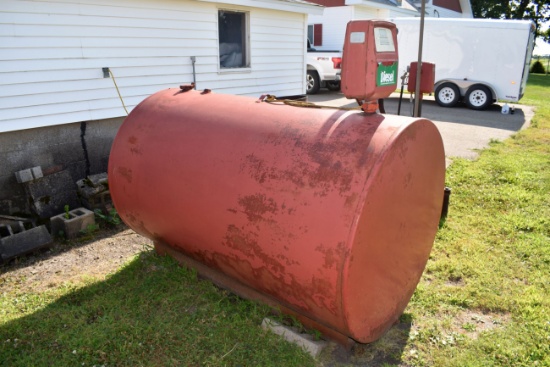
(447, 95)
(312, 82)
(478, 97)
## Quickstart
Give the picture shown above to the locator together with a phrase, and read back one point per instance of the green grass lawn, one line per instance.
(484, 299)
(151, 312)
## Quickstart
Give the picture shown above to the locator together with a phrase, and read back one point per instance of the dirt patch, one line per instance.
(472, 323)
(97, 256)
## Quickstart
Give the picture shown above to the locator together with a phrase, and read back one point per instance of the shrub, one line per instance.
(537, 68)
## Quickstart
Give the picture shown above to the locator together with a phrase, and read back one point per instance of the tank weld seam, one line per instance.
(335, 126)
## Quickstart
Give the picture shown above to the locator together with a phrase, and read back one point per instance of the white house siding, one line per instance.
(58, 112)
(52, 54)
(362, 12)
(278, 55)
(334, 22)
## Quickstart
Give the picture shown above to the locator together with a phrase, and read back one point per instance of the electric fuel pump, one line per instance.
(369, 62)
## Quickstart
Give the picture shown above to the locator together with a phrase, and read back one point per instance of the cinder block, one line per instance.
(99, 179)
(94, 193)
(51, 193)
(29, 174)
(21, 241)
(37, 172)
(87, 188)
(78, 221)
(101, 201)
(5, 230)
(24, 175)
(313, 347)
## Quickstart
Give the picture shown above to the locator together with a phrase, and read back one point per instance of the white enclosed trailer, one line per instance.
(478, 61)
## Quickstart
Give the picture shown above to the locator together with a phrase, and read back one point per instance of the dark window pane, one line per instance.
(232, 35)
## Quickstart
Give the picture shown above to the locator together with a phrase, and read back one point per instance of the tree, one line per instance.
(538, 11)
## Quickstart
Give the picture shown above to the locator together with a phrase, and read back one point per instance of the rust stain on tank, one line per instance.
(407, 179)
(315, 293)
(333, 255)
(247, 244)
(321, 292)
(257, 167)
(125, 172)
(131, 218)
(287, 134)
(330, 257)
(255, 206)
(287, 260)
(331, 172)
(134, 220)
(321, 172)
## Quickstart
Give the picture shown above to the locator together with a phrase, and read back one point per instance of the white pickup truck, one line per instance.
(323, 69)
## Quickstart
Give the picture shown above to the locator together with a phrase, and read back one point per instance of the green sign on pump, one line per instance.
(386, 75)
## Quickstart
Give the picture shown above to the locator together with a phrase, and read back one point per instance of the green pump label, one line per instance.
(386, 75)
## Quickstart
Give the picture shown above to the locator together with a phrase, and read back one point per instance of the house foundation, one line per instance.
(80, 148)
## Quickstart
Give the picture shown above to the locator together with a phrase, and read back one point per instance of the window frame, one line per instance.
(317, 34)
(246, 42)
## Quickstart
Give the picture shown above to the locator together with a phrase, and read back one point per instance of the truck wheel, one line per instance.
(312, 82)
(478, 97)
(447, 95)
(333, 86)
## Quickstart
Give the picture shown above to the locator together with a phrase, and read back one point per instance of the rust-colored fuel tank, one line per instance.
(329, 213)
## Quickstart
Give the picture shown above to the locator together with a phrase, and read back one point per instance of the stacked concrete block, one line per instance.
(94, 192)
(20, 237)
(29, 174)
(73, 223)
(51, 193)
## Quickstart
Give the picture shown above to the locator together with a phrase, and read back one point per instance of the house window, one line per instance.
(315, 34)
(233, 38)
